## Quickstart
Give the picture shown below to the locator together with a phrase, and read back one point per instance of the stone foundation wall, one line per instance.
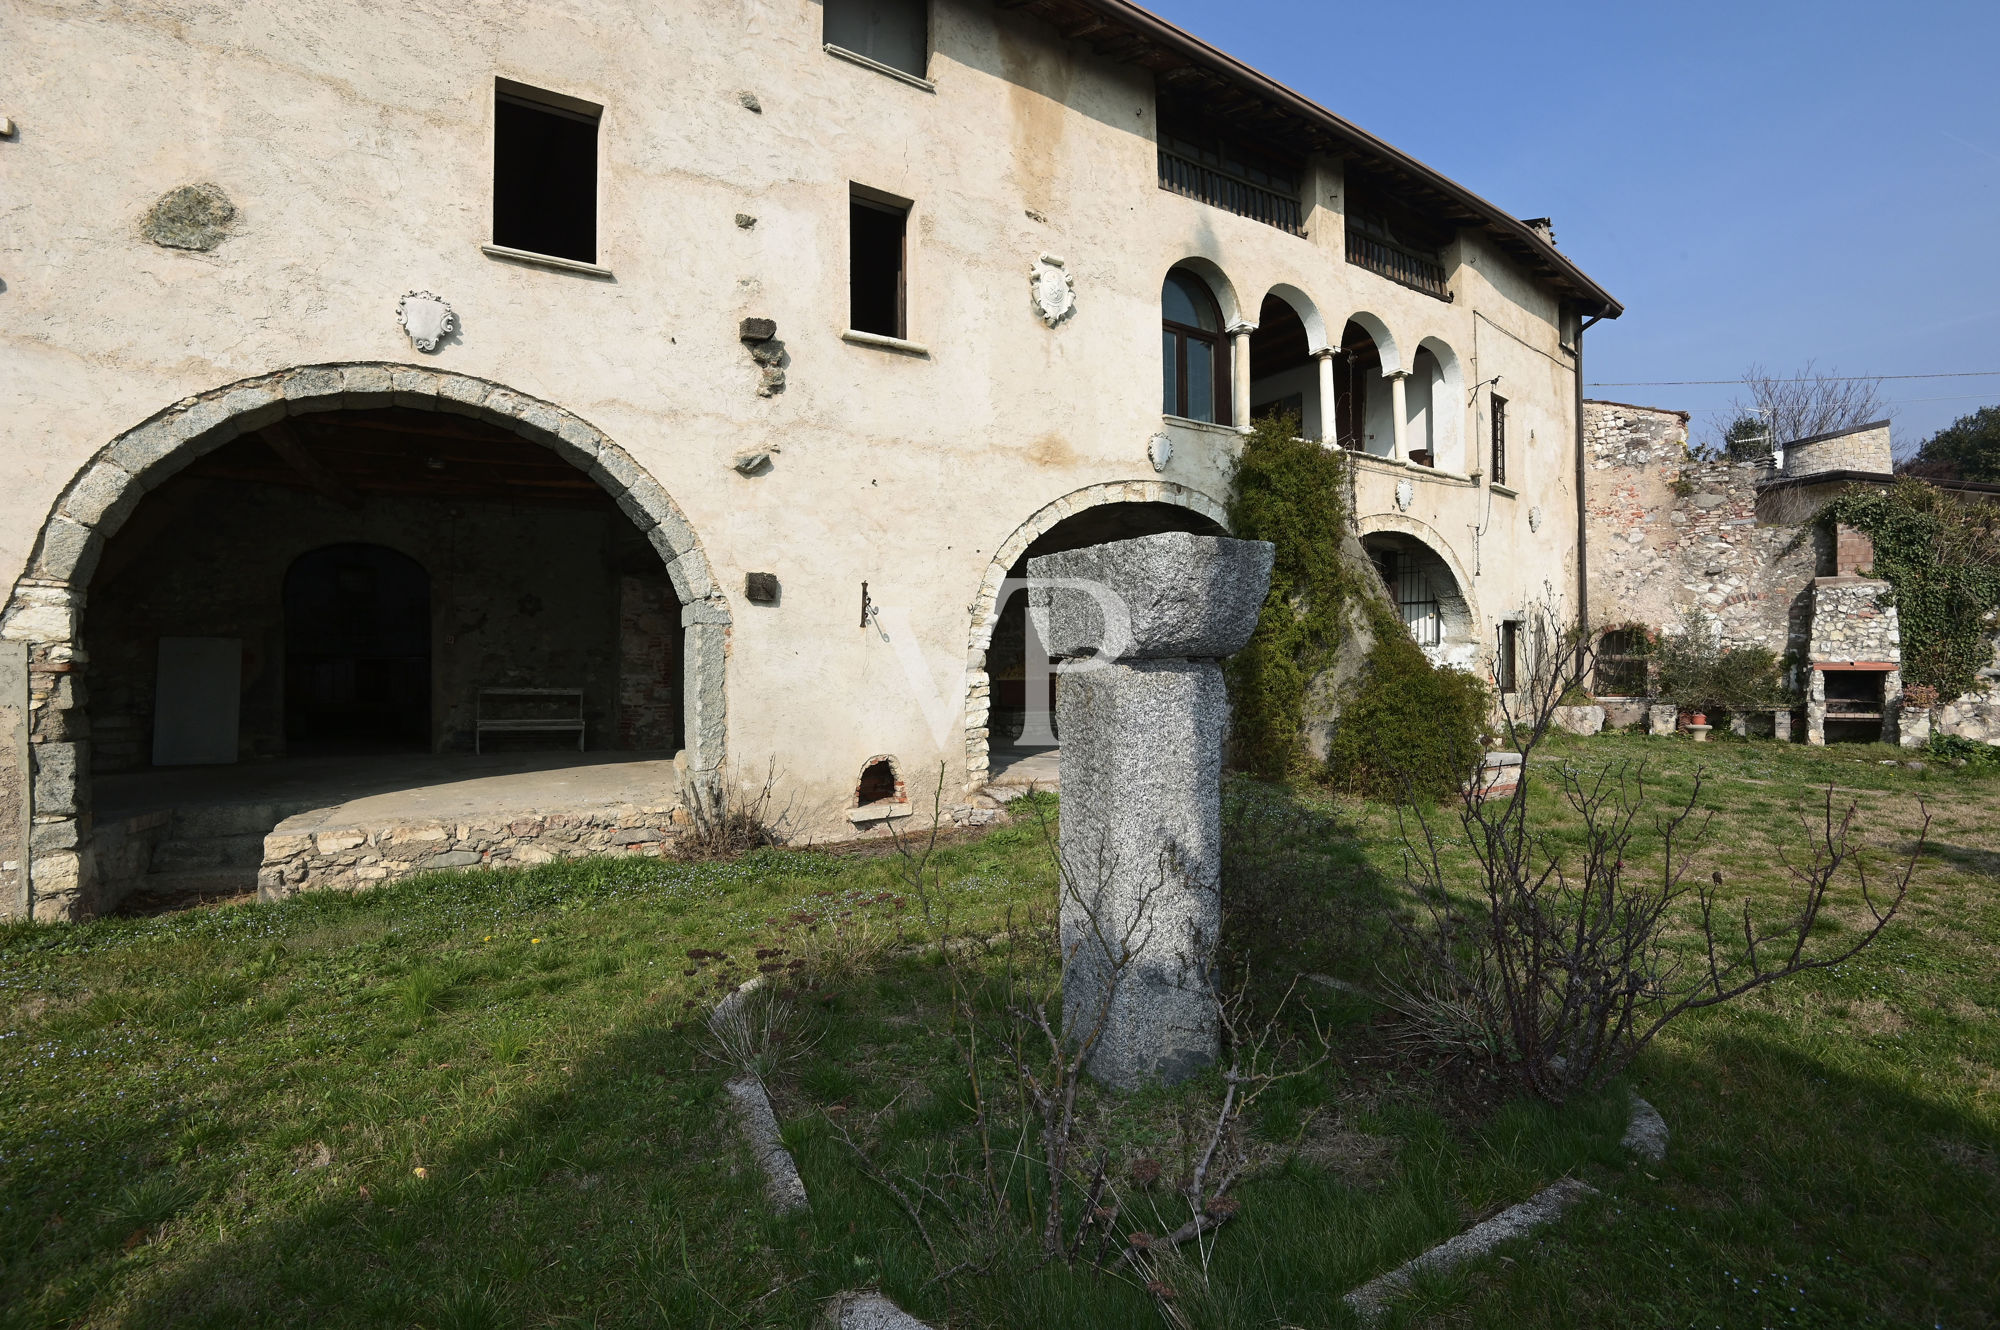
(300, 858)
(1669, 534)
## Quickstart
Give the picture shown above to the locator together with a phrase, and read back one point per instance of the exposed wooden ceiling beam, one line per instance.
(293, 453)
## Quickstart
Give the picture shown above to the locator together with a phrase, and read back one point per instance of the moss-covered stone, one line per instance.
(191, 217)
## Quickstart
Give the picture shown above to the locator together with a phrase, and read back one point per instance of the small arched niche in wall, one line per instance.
(879, 794)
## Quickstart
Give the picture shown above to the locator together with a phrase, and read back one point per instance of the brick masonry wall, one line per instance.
(1668, 533)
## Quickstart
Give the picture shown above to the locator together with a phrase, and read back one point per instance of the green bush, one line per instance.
(1412, 728)
(1288, 491)
(1699, 674)
(1941, 554)
(1951, 748)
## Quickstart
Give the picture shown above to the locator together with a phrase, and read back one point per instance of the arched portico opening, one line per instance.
(999, 708)
(1436, 405)
(1284, 356)
(188, 527)
(1364, 400)
(1431, 597)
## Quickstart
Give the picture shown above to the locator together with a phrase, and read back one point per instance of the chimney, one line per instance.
(1542, 227)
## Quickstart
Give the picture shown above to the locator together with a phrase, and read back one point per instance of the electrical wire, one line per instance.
(1826, 378)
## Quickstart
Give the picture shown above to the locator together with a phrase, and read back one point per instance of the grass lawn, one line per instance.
(488, 1100)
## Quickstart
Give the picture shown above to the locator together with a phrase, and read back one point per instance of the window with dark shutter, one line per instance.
(875, 281)
(1499, 414)
(545, 174)
(895, 33)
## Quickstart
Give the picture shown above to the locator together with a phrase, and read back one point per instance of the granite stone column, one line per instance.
(1139, 626)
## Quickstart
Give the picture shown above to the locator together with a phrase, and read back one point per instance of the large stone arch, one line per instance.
(1464, 623)
(45, 609)
(986, 605)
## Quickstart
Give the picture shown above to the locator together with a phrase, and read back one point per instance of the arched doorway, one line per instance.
(1429, 596)
(185, 526)
(357, 651)
(1009, 725)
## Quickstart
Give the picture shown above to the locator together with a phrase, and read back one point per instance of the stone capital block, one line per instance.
(1154, 597)
(1141, 847)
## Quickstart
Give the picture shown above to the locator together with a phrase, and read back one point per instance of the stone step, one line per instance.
(236, 850)
(198, 883)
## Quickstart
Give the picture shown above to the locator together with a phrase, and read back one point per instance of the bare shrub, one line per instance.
(1557, 959)
(729, 816)
(1028, 1172)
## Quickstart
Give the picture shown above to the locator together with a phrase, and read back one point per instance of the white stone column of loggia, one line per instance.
(1239, 372)
(1327, 431)
(1140, 626)
(1399, 413)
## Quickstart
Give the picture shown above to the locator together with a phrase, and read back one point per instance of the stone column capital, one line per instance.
(1326, 353)
(1242, 328)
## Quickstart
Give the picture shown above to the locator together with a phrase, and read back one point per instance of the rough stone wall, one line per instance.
(1864, 448)
(1850, 623)
(1668, 534)
(297, 858)
(519, 596)
(649, 665)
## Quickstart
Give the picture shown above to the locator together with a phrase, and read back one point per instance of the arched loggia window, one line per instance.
(1195, 355)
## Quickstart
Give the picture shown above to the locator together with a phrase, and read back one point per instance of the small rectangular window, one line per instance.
(1510, 646)
(875, 286)
(895, 33)
(545, 174)
(1499, 440)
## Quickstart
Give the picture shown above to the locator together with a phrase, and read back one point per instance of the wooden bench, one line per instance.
(485, 724)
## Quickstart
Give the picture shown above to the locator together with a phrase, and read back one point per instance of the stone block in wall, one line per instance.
(62, 779)
(1586, 720)
(319, 388)
(15, 782)
(68, 552)
(102, 496)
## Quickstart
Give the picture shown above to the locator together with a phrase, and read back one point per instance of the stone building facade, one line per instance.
(1668, 532)
(703, 363)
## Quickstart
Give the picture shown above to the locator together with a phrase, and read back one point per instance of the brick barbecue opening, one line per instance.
(1854, 705)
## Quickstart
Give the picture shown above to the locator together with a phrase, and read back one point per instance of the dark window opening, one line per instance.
(875, 284)
(1195, 370)
(878, 783)
(1510, 650)
(1621, 664)
(544, 178)
(1499, 441)
(890, 32)
(1203, 161)
(1389, 237)
(1410, 586)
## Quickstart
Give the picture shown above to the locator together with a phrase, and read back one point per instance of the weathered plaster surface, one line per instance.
(355, 144)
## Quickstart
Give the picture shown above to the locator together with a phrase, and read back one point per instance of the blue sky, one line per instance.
(1757, 183)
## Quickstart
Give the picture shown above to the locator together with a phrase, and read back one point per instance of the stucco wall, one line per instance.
(355, 142)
